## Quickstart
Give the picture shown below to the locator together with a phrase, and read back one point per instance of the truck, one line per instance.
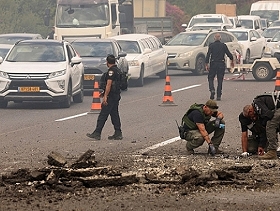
(269, 10)
(107, 18)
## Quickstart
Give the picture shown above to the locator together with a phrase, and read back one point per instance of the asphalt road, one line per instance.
(30, 131)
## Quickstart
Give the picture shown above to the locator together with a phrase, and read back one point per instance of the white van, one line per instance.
(269, 10)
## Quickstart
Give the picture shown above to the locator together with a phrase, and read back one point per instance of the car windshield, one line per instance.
(130, 46)
(269, 32)
(206, 20)
(276, 37)
(93, 49)
(198, 27)
(188, 39)
(241, 36)
(12, 40)
(247, 24)
(37, 52)
(276, 23)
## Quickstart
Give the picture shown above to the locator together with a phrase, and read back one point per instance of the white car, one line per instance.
(251, 42)
(207, 18)
(250, 22)
(41, 70)
(273, 47)
(145, 56)
(269, 32)
(187, 50)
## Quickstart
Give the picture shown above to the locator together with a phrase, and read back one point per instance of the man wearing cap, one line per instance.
(198, 126)
(110, 104)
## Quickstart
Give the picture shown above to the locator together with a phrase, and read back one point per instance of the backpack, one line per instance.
(122, 82)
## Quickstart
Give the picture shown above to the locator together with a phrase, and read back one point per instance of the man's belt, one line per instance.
(217, 60)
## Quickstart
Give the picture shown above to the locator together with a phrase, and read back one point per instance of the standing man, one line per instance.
(198, 126)
(250, 120)
(216, 55)
(110, 103)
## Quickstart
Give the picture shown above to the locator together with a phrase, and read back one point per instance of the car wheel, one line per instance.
(67, 102)
(79, 98)
(262, 72)
(140, 81)
(163, 73)
(247, 57)
(3, 104)
(199, 66)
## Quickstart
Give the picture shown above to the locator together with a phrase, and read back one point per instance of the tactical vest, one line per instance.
(190, 124)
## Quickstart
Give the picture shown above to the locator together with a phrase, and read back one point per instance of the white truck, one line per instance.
(107, 18)
(269, 10)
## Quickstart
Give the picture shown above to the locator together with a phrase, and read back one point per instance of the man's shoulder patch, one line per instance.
(111, 72)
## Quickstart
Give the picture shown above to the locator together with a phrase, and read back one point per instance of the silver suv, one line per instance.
(187, 50)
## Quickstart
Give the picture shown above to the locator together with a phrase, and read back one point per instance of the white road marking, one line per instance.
(71, 117)
(83, 114)
(160, 144)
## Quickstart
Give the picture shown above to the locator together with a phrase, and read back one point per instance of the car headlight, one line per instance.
(133, 63)
(277, 46)
(187, 54)
(57, 73)
(4, 75)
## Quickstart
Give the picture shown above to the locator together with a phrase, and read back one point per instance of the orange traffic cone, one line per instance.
(167, 98)
(277, 81)
(96, 102)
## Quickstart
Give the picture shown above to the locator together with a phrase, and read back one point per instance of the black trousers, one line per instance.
(111, 109)
(216, 68)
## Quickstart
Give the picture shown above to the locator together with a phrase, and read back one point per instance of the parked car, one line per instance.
(145, 56)
(270, 32)
(4, 49)
(250, 22)
(273, 47)
(14, 37)
(187, 50)
(207, 18)
(94, 52)
(210, 26)
(251, 42)
(41, 70)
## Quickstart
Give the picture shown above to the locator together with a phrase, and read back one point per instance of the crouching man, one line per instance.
(198, 126)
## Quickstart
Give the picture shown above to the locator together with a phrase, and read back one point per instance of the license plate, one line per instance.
(29, 89)
(89, 77)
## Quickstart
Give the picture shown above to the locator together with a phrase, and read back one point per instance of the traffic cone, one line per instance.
(167, 98)
(96, 102)
(277, 81)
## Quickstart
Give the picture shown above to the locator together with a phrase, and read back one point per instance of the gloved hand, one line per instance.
(217, 122)
(245, 154)
(212, 149)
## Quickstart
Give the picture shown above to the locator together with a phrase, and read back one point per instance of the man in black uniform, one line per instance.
(257, 141)
(110, 103)
(217, 51)
(266, 107)
(51, 34)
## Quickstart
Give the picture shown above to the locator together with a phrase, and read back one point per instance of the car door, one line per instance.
(259, 44)
(254, 51)
(160, 54)
(75, 70)
(152, 55)
(146, 58)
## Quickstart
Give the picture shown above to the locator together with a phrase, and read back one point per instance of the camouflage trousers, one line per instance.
(272, 131)
(195, 139)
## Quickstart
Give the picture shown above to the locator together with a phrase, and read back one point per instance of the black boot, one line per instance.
(212, 96)
(94, 135)
(117, 136)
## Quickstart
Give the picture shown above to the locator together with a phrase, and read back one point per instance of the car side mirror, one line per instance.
(147, 50)
(75, 60)
(122, 54)
(253, 39)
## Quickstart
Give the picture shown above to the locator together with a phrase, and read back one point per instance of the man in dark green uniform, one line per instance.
(198, 125)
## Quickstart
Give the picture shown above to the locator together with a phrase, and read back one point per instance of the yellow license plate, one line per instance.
(29, 89)
(89, 77)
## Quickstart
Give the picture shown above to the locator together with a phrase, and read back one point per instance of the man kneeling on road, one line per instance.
(198, 126)
(255, 143)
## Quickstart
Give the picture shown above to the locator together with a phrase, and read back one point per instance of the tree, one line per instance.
(178, 17)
